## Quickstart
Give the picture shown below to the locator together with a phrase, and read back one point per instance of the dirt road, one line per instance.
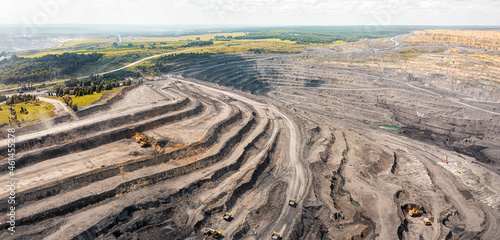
(292, 168)
(61, 108)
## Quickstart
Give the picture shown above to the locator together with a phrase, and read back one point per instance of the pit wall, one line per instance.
(248, 185)
(66, 136)
(100, 107)
(123, 188)
(211, 138)
(84, 112)
(100, 139)
(39, 126)
(207, 140)
(84, 179)
(456, 128)
(106, 224)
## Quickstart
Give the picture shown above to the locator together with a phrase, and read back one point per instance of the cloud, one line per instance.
(270, 12)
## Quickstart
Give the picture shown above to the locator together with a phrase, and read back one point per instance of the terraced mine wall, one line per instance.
(43, 125)
(211, 137)
(466, 136)
(96, 127)
(126, 186)
(83, 112)
(243, 186)
(235, 166)
(105, 225)
(99, 139)
(82, 180)
(100, 107)
(447, 126)
(259, 170)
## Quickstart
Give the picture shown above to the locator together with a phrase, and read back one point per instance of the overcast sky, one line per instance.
(252, 12)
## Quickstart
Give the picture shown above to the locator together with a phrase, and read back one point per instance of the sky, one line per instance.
(251, 12)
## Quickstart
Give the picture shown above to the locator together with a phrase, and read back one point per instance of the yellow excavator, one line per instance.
(415, 211)
(141, 140)
(212, 233)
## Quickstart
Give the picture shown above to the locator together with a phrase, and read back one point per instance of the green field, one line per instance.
(95, 98)
(283, 40)
(37, 111)
(121, 54)
(390, 127)
(203, 37)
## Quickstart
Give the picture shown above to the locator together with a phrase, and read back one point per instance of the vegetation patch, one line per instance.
(27, 112)
(320, 34)
(94, 98)
(23, 70)
(390, 127)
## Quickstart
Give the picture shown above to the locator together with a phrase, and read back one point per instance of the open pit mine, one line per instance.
(340, 142)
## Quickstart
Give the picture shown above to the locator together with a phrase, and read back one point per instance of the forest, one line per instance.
(14, 99)
(19, 70)
(322, 34)
(200, 43)
(24, 70)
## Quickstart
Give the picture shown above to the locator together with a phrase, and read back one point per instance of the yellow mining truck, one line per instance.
(227, 216)
(212, 233)
(276, 235)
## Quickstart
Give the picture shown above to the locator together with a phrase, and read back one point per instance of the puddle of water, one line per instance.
(167, 228)
(192, 204)
(390, 127)
(355, 203)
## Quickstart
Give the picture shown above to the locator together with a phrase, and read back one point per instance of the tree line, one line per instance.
(181, 57)
(199, 43)
(20, 98)
(322, 35)
(17, 70)
(67, 99)
(82, 90)
(119, 75)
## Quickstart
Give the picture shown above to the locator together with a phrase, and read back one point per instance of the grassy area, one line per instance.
(37, 111)
(122, 48)
(87, 99)
(238, 46)
(89, 41)
(78, 45)
(106, 95)
(96, 98)
(5, 86)
(122, 54)
(390, 127)
(413, 52)
(4, 114)
(245, 45)
(204, 37)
